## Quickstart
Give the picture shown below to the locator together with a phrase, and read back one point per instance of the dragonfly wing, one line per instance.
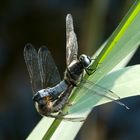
(31, 60)
(71, 43)
(104, 92)
(48, 69)
(102, 89)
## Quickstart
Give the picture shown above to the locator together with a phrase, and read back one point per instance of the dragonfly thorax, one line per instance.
(73, 72)
(85, 60)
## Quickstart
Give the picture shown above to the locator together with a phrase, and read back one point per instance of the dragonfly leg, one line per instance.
(60, 115)
(75, 119)
(90, 71)
(69, 104)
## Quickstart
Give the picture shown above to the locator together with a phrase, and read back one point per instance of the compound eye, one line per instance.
(82, 57)
(87, 61)
(89, 58)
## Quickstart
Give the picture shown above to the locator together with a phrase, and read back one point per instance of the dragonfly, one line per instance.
(50, 93)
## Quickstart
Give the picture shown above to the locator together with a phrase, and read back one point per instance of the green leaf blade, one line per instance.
(123, 41)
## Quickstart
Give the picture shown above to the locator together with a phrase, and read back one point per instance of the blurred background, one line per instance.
(42, 22)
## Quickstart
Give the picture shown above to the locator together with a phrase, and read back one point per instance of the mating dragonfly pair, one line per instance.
(43, 73)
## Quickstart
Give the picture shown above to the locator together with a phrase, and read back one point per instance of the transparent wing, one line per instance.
(31, 60)
(102, 91)
(71, 43)
(48, 70)
(100, 88)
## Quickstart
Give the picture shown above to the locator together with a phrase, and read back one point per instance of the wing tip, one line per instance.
(28, 47)
(69, 16)
(69, 23)
(69, 19)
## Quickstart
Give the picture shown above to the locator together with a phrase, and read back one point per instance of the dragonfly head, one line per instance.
(85, 60)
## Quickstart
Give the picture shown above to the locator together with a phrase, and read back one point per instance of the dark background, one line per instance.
(42, 22)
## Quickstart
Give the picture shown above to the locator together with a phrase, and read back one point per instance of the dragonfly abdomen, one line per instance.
(63, 99)
(52, 92)
(58, 89)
